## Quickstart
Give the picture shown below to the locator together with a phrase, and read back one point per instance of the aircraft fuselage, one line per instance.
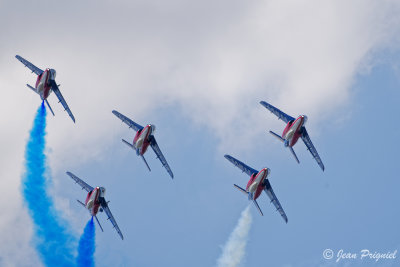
(292, 131)
(256, 183)
(42, 85)
(92, 202)
(141, 141)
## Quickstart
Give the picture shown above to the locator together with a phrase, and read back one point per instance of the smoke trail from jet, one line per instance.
(51, 237)
(87, 246)
(234, 250)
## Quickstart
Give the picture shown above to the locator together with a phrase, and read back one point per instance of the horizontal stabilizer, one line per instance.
(240, 189)
(80, 202)
(148, 167)
(258, 207)
(33, 89)
(128, 144)
(49, 106)
(294, 154)
(277, 136)
(99, 224)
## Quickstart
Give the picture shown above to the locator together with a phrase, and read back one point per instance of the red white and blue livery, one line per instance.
(96, 202)
(143, 139)
(258, 182)
(45, 84)
(293, 131)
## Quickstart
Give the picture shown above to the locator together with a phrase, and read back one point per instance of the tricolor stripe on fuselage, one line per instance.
(141, 140)
(292, 132)
(255, 184)
(93, 196)
(42, 84)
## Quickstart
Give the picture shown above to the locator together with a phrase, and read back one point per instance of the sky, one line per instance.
(198, 70)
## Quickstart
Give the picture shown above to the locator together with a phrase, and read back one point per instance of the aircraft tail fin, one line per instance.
(258, 207)
(277, 136)
(128, 144)
(294, 154)
(33, 89)
(240, 189)
(99, 223)
(49, 106)
(250, 197)
(145, 162)
(80, 202)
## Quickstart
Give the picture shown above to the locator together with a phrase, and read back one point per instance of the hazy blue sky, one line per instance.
(197, 70)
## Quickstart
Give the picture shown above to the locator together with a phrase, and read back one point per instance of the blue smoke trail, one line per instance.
(87, 246)
(52, 239)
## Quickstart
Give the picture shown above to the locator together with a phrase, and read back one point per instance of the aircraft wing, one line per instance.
(160, 156)
(80, 182)
(307, 141)
(32, 67)
(280, 114)
(241, 165)
(129, 122)
(274, 199)
(111, 217)
(61, 99)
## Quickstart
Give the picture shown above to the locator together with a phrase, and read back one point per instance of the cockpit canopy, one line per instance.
(305, 119)
(53, 74)
(102, 191)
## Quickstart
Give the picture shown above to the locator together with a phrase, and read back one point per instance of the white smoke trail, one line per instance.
(234, 250)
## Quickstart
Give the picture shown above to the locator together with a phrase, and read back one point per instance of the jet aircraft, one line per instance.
(143, 138)
(45, 83)
(96, 202)
(258, 182)
(293, 131)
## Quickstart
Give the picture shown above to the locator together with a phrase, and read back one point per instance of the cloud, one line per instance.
(213, 61)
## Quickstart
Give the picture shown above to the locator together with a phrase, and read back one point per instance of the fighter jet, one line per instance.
(45, 83)
(96, 202)
(143, 139)
(293, 131)
(258, 182)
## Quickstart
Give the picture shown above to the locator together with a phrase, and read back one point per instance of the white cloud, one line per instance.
(214, 60)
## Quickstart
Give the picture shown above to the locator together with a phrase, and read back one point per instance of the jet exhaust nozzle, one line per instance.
(286, 143)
